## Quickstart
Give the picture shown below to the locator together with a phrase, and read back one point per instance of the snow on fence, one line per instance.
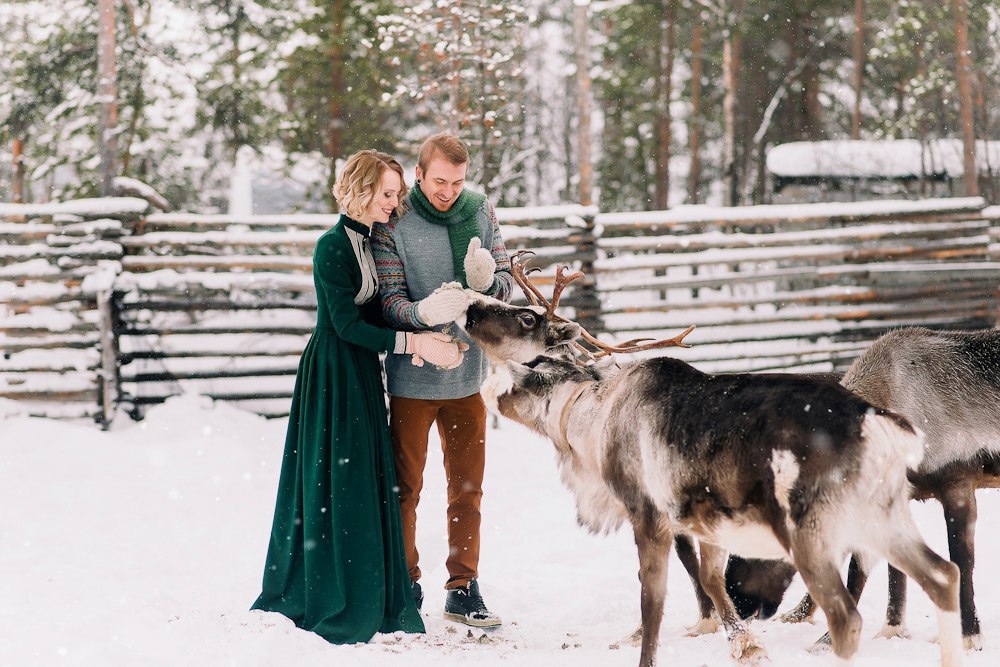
(102, 306)
(797, 287)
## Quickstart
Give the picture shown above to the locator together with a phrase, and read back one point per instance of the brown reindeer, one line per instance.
(768, 466)
(948, 384)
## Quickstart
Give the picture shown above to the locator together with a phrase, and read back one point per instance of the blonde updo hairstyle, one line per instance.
(359, 178)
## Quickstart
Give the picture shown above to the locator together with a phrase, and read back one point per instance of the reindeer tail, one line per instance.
(895, 437)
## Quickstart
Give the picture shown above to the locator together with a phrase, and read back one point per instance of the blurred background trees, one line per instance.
(687, 96)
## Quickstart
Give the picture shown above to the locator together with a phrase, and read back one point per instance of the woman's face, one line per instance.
(386, 199)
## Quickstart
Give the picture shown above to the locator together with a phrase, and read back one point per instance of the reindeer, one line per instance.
(948, 384)
(768, 466)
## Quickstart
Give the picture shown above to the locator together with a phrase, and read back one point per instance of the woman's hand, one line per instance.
(439, 349)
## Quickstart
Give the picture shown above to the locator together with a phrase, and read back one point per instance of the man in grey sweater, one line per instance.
(447, 234)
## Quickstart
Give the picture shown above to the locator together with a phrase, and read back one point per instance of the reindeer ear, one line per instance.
(605, 368)
(524, 377)
(561, 332)
(518, 372)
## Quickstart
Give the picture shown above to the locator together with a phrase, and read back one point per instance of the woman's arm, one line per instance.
(335, 263)
(397, 308)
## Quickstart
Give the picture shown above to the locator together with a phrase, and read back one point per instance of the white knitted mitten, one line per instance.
(437, 348)
(445, 304)
(479, 266)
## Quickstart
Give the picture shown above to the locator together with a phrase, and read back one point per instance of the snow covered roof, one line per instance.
(899, 158)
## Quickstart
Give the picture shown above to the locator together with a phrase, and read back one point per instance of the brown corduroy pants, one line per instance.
(462, 426)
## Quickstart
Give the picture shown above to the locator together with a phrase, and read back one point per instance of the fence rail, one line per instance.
(102, 306)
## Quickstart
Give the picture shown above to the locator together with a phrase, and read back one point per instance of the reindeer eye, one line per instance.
(528, 320)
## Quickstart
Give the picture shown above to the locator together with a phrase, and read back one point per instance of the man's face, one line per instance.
(442, 182)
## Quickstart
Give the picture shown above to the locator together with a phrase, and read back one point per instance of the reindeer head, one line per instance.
(520, 334)
(507, 332)
(526, 392)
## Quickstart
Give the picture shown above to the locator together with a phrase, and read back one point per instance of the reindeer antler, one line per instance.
(535, 298)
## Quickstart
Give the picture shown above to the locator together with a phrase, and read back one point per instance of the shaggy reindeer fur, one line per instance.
(948, 384)
(768, 466)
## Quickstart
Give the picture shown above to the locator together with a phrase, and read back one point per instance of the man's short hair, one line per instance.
(445, 145)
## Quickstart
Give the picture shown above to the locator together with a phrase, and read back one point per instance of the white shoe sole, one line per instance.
(459, 618)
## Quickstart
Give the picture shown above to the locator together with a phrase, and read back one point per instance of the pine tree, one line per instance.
(235, 96)
(331, 86)
(458, 67)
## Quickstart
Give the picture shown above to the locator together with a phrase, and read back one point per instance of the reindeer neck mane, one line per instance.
(579, 463)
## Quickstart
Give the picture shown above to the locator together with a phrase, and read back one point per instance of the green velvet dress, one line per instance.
(335, 563)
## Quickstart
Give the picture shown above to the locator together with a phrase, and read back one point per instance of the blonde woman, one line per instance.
(335, 563)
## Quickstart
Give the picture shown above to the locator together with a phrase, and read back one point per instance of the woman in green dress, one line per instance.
(335, 563)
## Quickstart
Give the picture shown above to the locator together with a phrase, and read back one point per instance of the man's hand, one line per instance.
(479, 266)
(445, 304)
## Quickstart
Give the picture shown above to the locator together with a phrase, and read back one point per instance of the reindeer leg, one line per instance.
(959, 502)
(801, 613)
(895, 611)
(652, 538)
(857, 577)
(938, 577)
(742, 644)
(707, 622)
(814, 558)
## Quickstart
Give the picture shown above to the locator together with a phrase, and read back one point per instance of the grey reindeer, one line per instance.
(947, 383)
(773, 465)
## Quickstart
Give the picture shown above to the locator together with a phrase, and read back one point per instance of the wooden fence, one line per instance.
(104, 307)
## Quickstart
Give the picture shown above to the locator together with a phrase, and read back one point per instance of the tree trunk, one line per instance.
(695, 121)
(664, 82)
(731, 64)
(963, 66)
(568, 138)
(335, 107)
(859, 66)
(107, 93)
(804, 108)
(812, 124)
(581, 30)
(486, 142)
(988, 179)
(17, 177)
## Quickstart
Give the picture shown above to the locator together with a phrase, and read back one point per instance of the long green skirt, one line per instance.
(336, 563)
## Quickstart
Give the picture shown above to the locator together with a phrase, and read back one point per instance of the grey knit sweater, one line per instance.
(413, 258)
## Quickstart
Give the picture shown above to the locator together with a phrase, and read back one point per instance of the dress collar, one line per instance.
(356, 226)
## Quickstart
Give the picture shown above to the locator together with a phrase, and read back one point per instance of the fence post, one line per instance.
(108, 375)
(586, 300)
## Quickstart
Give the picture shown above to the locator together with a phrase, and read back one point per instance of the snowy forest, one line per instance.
(628, 105)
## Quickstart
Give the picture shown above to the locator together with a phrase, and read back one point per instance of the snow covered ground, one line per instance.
(144, 546)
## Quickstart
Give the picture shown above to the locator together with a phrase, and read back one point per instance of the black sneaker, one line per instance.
(465, 605)
(418, 595)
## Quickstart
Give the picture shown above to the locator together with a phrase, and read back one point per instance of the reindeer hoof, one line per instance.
(890, 631)
(705, 626)
(754, 657)
(796, 616)
(822, 646)
(973, 642)
(746, 651)
(634, 639)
